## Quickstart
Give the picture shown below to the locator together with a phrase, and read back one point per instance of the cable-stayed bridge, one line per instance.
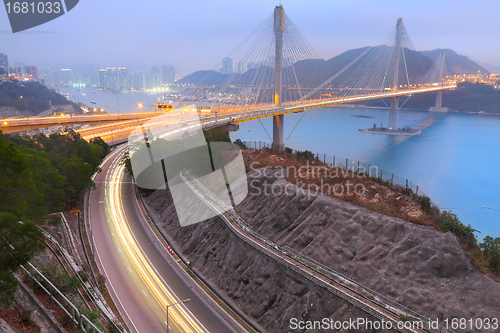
(276, 71)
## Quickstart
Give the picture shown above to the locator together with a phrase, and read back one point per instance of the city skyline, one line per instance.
(120, 37)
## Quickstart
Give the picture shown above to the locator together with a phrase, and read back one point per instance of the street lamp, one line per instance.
(25, 103)
(183, 301)
(138, 107)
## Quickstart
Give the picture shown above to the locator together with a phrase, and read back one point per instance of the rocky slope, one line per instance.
(420, 267)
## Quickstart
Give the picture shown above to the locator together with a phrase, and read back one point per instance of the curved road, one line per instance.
(141, 275)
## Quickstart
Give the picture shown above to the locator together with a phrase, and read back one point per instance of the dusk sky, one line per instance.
(193, 35)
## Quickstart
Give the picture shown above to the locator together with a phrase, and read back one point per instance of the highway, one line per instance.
(141, 276)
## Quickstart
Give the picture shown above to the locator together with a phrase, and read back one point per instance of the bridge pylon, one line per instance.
(439, 98)
(279, 28)
(394, 109)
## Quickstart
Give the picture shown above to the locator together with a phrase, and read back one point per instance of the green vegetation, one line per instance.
(53, 219)
(46, 174)
(216, 136)
(485, 255)
(36, 97)
(491, 252)
(38, 175)
(19, 241)
(66, 283)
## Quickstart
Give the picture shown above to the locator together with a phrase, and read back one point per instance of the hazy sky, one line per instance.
(194, 35)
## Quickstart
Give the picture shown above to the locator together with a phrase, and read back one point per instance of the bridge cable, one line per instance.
(265, 129)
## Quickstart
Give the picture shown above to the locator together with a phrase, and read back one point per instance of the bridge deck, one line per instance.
(237, 113)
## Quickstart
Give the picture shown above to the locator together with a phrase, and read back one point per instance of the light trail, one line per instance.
(157, 288)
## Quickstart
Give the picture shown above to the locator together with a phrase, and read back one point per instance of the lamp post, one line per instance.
(183, 301)
(138, 107)
(26, 104)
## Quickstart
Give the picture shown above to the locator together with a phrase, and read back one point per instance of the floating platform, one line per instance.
(386, 131)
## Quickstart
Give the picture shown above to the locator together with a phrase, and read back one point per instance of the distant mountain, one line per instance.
(314, 72)
(495, 69)
(416, 63)
(456, 63)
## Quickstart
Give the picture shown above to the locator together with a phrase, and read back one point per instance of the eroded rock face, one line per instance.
(419, 267)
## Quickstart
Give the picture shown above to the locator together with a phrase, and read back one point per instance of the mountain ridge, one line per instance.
(314, 72)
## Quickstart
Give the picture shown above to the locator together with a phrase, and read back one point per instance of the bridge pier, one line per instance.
(439, 103)
(279, 28)
(278, 143)
(394, 114)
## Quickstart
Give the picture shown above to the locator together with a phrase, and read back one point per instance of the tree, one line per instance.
(19, 242)
(49, 183)
(16, 181)
(77, 173)
(491, 248)
(100, 142)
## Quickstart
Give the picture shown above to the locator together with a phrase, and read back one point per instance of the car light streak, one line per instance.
(147, 273)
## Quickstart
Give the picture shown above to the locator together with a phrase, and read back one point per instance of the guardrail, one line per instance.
(90, 290)
(77, 318)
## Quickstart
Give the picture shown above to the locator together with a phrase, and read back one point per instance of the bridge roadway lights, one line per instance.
(393, 114)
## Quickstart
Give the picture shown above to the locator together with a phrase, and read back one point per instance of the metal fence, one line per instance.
(94, 296)
(394, 182)
(77, 318)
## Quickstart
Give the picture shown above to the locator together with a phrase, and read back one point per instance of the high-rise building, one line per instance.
(4, 62)
(155, 70)
(227, 66)
(145, 80)
(168, 74)
(114, 78)
(62, 76)
(32, 71)
(240, 67)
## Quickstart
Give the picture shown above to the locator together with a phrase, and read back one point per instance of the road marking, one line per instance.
(129, 269)
(145, 293)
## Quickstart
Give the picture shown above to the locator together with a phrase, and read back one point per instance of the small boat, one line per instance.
(93, 102)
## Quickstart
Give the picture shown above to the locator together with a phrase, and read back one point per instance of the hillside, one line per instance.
(313, 72)
(38, 97)
(418, 266)
(495, 69)
(456, 64)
